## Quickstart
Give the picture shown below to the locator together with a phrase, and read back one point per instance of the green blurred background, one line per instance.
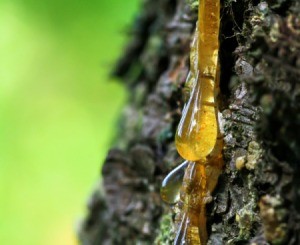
(58, 111)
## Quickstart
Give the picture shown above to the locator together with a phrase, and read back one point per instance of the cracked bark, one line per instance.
(257, 200)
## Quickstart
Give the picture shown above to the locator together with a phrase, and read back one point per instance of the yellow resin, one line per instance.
(198, 128)
(199, 182)
(198, 138)
(192, 210)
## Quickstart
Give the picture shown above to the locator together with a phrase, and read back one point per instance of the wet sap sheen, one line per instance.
(198, 138)
(171, 185)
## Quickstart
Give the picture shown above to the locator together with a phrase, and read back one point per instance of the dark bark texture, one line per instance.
(257, 200)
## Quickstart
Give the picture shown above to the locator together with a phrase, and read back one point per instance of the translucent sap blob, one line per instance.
(198, 129)
(170, 187)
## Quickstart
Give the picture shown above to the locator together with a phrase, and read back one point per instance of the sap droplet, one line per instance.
(171, 184)
(198, 129)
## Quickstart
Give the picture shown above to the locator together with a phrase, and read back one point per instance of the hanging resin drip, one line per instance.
(199, 181)
(198, 129)
(192, 213)
(172, 183)
(198, 138)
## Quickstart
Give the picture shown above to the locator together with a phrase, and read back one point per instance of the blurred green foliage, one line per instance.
(58, 111)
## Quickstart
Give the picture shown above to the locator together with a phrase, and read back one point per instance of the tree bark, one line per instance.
(257, 200)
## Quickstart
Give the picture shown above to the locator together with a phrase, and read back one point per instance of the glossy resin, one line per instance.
(171, 185)
(198, 138)
(198, 128)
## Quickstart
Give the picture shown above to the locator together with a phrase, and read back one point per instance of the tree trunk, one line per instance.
(257, 200)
